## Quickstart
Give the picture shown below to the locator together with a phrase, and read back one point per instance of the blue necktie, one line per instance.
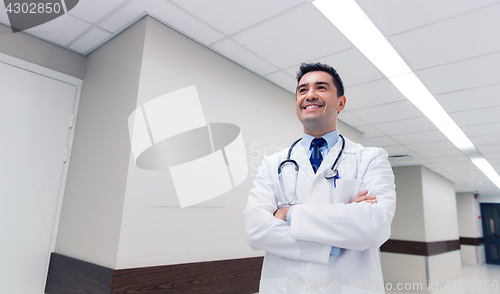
(316, 157)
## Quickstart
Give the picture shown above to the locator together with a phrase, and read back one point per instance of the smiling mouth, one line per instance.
(312, 106)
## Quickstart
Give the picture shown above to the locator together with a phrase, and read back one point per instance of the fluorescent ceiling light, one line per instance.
(417, 93)
(359, 29)
(487, 169)
(351, 20)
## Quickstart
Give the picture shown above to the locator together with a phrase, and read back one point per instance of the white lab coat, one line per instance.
(297, 258)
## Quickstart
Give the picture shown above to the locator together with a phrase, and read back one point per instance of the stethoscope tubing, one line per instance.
(331, 174)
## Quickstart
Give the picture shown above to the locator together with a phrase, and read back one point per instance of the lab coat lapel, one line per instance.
(300, 156)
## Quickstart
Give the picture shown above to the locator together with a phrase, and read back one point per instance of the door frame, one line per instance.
(77, 82)
(488, 241)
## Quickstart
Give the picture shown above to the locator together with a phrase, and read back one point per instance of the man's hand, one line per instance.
(281, 213)
(362, 196)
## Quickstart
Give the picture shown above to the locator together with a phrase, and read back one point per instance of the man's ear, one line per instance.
(341, 103)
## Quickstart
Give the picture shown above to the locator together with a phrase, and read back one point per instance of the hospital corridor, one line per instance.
(250, 146)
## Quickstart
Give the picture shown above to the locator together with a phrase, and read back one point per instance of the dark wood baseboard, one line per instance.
(238, 276)
(70, 275)
(222, 276)
(420, 248)
(471, 241)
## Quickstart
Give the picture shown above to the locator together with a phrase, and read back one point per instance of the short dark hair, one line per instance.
(318, 66)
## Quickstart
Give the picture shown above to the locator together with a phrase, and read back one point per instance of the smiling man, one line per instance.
(321, 208)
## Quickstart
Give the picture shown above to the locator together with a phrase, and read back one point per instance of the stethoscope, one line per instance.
(332, 173)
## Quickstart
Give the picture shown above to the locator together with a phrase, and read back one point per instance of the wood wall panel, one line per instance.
(72, 276)
(420, 248)
(471, 241)
(237, 276)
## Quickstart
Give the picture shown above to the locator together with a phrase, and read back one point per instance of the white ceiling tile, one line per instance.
(470, 99)
(371, 94)
(353, 67)
(400, 150)
(189, 25)
(454, 158)
(125, 16)
(94, 10)
(430, 146)
(283, 80)
(421, 137)
(379, 142)
(439, 153)
(393, 16)
(486, 140)
(477, 116)
(370, 132)
(406, 126)
(494, 161)
(465, 74)
(294, 37)
(61, 30)
(462, 187)
(464, 165)
(388, 112)
(350, 119)
(89, 40)
(488, 149)
(413, 162)
(245, 58)
(231, 16)
(451, 40)
(165, 12)
(492, 155)
(482, 130)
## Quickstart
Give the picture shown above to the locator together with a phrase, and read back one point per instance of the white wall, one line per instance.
(444, 267)
(408, 222)
(93, 201)
(426, 211)
(350, 132)
(440, 208)
(155, 231)
(469, 223)
(470, 226)
(490, 199)
(404, 268)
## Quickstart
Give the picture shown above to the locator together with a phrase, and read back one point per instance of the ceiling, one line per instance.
(453, 46)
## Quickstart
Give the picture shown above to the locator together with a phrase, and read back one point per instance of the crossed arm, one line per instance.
(361, 197)
(362, 224)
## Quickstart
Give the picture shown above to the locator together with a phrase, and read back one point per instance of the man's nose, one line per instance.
(310, 95)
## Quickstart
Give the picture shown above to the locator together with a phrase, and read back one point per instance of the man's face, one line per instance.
(317, 103)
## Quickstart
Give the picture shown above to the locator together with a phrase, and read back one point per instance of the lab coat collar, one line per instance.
(300, 155)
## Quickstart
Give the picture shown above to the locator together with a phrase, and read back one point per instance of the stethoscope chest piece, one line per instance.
(330, 174)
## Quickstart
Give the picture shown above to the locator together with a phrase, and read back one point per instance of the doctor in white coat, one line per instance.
(327, 239)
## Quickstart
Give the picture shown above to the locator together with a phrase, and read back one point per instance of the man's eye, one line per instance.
(302, 90)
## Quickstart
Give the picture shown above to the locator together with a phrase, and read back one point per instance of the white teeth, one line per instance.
(311, 106)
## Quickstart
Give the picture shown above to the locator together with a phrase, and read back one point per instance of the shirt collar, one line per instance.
(331, 139)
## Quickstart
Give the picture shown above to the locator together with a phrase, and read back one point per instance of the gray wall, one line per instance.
(43, 53)
(427, 212)
(155, 230)
(93, 201)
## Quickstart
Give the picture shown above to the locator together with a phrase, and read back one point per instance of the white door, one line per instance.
(35, 114)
